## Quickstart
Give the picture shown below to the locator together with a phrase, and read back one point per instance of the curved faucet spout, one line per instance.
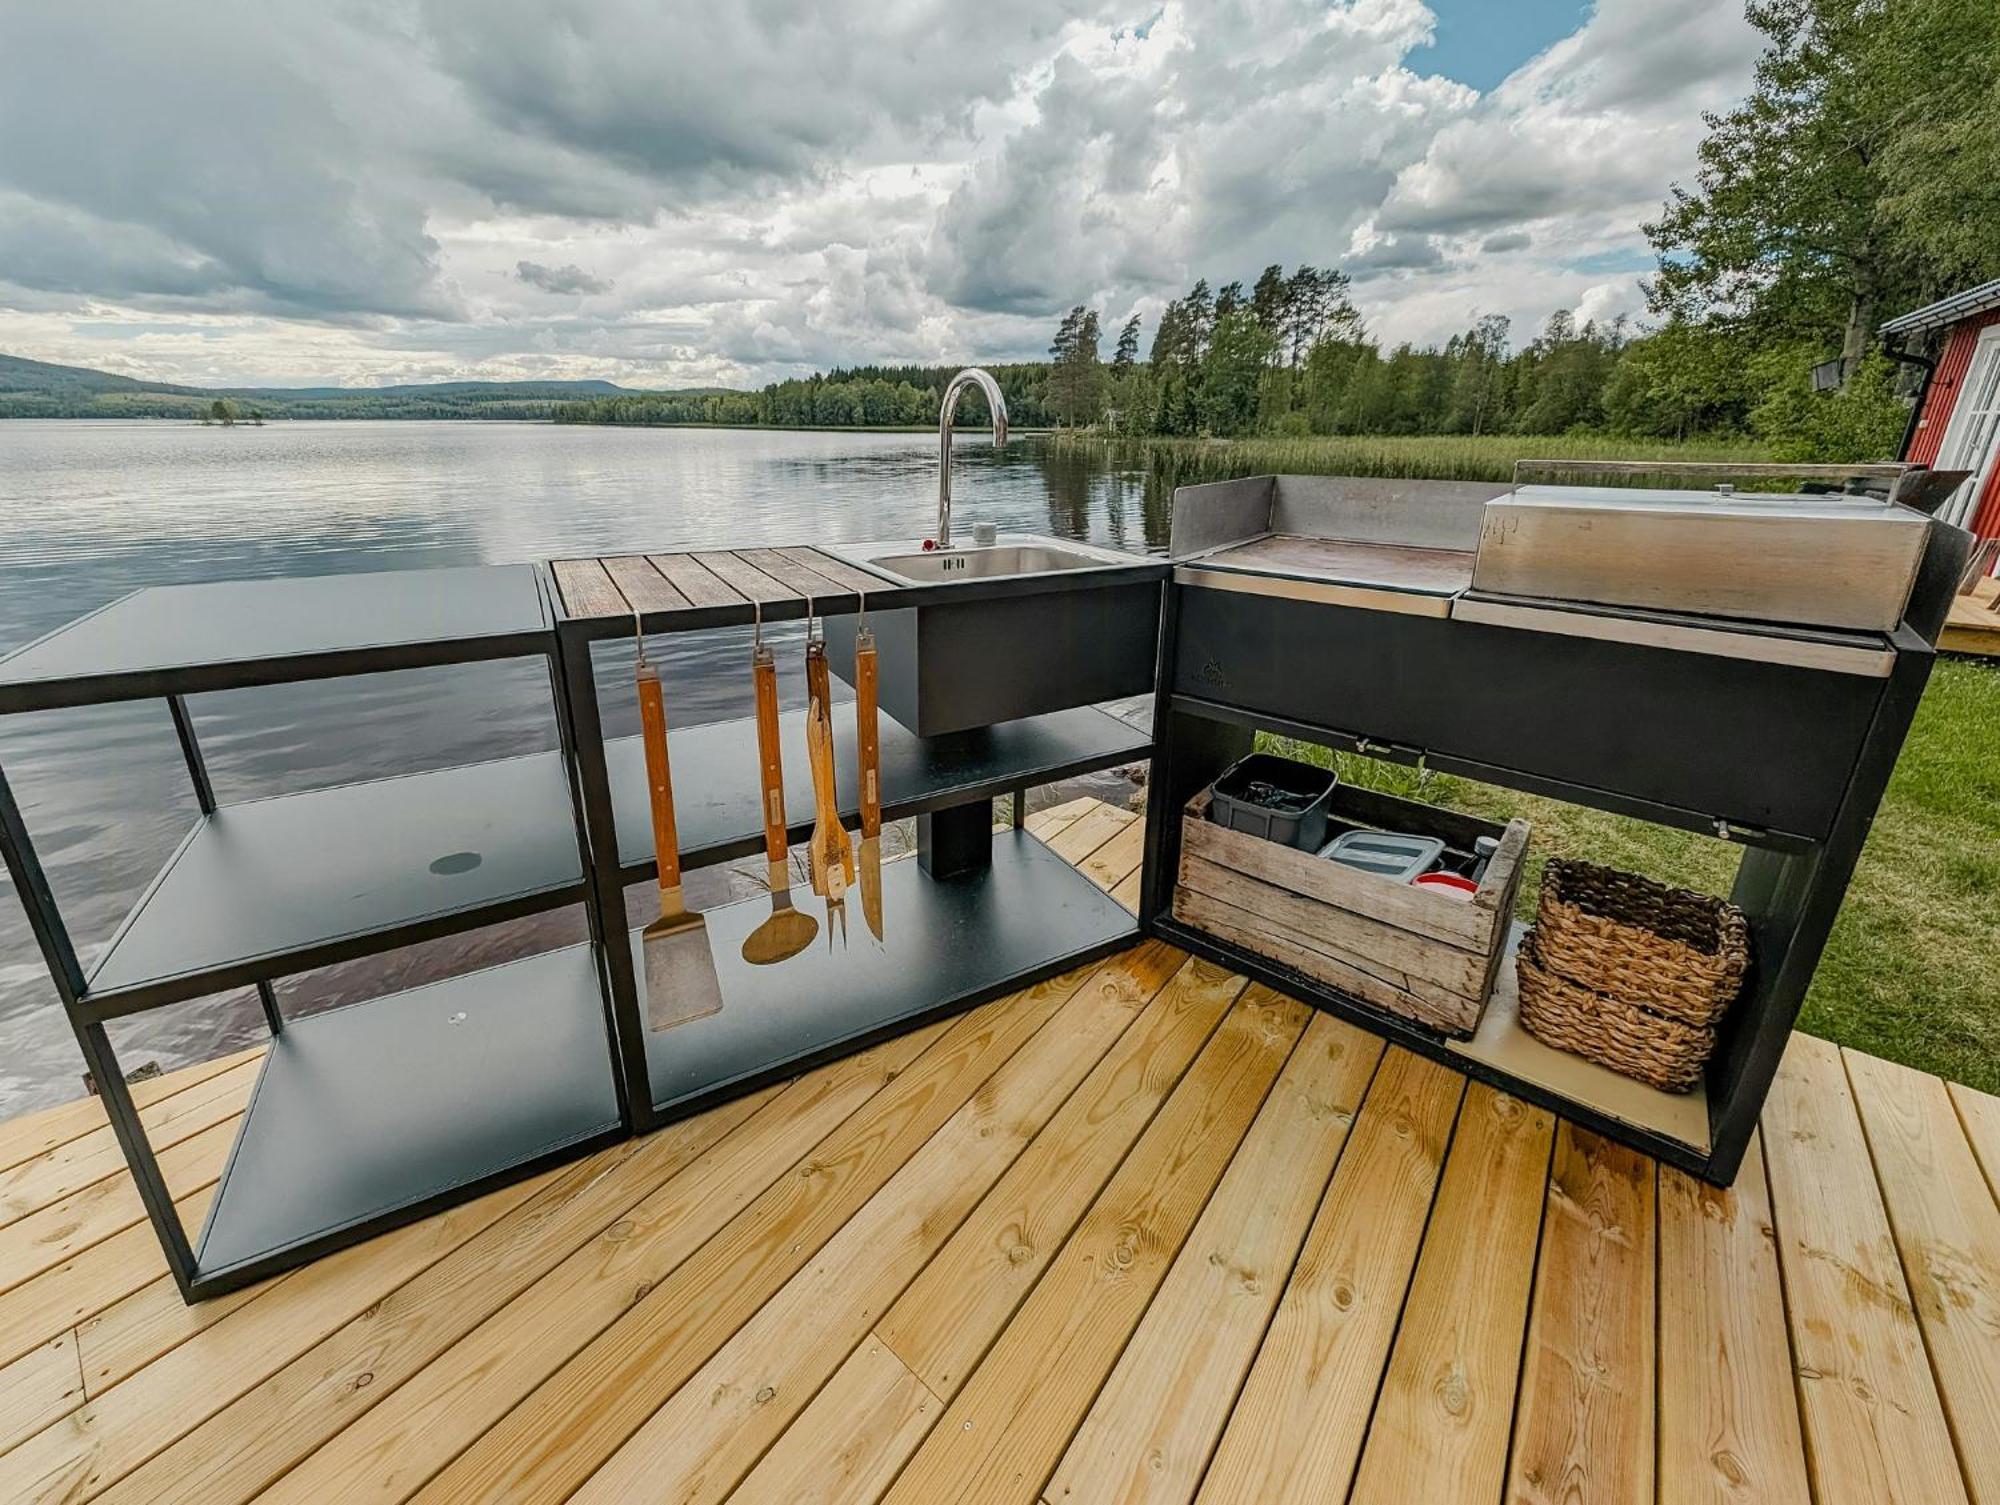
(996, 404)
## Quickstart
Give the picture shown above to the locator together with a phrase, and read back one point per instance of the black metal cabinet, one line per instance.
(1789, 760)
(978, 914)
(1760, 745)
(379, 1112)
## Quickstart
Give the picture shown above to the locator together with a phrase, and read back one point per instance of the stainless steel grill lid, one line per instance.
(1815, 560)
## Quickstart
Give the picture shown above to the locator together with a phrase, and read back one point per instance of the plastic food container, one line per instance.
(1447, 883)
(1386, 854)
(1275, 798)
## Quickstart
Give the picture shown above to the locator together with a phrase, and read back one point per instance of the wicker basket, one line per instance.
(1630, 973)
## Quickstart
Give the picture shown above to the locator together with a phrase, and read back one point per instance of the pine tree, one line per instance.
(1269, 300)
(1127, 352)
(1170, 337)
(1074, 385)
(1197, 323)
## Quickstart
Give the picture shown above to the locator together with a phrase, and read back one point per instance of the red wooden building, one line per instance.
(1957, 424)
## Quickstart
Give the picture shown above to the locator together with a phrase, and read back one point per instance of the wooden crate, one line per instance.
(1424, 955)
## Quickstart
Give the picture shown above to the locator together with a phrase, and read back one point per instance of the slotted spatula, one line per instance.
(681, 982)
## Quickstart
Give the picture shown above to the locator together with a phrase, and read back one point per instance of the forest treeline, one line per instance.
(1293, 357)
(850, 397)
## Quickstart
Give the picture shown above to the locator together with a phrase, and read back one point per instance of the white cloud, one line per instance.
(673, 194)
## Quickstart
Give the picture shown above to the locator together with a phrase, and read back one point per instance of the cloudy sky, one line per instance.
(668, 193)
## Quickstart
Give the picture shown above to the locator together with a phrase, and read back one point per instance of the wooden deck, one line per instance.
(1974, 623)
(1138, 1234)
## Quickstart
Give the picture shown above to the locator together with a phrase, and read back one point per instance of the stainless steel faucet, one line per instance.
(970, 376)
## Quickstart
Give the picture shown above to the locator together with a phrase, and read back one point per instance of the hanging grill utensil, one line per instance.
(788, 931)
(868, 753)
(679, 969)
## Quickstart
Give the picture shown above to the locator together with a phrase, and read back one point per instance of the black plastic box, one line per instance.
(1304, 827)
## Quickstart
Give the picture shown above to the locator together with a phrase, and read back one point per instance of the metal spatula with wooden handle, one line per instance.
(868, 751)
(787, 932)
(681, 983)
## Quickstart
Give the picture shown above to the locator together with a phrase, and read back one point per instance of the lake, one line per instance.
(94, 510)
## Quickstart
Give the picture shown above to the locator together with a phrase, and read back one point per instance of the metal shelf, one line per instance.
(182, 639)
(948, 944)
(1671, 1129)
(382, 1112)
(304, 880)
(715, 775)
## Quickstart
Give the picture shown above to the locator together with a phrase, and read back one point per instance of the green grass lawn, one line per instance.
(1912, 971)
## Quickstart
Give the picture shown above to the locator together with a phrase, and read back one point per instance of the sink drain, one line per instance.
(455, 862)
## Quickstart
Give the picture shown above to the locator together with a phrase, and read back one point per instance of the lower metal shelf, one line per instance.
(382, 1112)
(947, 945)
(1671, 1128)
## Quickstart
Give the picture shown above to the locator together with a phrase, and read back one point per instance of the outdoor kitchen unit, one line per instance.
(1739, 663)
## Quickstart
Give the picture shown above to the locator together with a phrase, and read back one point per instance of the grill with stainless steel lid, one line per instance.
(1744, 664)
(1837, 561)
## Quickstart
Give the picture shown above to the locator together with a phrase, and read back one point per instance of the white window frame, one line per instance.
(1972, 437)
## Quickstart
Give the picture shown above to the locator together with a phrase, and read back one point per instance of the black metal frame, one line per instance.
(88, 1013)
(1790, 885)
(954, 827)
(565, 646)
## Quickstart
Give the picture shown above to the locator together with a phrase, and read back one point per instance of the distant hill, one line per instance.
(39, 389)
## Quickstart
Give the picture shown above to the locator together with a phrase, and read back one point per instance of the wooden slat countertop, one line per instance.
(613, 585)
(1140, 1233)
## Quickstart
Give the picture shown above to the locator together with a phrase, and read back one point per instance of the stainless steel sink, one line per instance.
(1011, 554)
(959, 666)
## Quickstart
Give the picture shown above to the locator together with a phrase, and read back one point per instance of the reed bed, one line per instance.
(1430, 457)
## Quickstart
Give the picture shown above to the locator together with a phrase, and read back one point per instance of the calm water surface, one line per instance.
(90, 511)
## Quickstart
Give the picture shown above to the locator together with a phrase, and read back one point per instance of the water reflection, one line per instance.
(95, 510)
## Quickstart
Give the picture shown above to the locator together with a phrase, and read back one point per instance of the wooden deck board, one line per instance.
(1979, 1116)
(37, 1133)
(1948, 1234)
(711, 1432)
(1973, 625)
(942, 1326)
(1584, 1430)
(1149, 1434)
(1874, 1426)
(1102, 1221)
(1446, 1412)
(1007, 1427)
(1298, 1428)
(546, 1447)
(1729, 1408)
